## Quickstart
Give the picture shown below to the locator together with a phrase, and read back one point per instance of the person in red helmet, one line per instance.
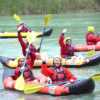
(28, 75)
(66, 49)
(58, 74)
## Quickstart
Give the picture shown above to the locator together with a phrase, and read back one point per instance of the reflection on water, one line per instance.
(18, 96)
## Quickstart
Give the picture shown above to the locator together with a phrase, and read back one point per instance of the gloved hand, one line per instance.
(23, 28)
(64, 30)
(20, 27)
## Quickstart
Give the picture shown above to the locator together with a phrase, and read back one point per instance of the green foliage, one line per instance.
(8, 7)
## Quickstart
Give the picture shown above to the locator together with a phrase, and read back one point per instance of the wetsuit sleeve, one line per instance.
(46, 71)
(61, 40)
(22, 43)
(69, 75)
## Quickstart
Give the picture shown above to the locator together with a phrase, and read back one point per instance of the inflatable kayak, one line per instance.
(74, 62)
(11, 35)
(47, 32)
(78, 87)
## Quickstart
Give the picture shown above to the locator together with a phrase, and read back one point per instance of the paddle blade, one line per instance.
(32, 88)
(47, 18)
(47, 32)
(17, 18)
(96, 77)
(20, 83)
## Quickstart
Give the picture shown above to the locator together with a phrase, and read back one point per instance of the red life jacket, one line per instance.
(69, 50)
(28, 75)
(91, 38)
(59, 75)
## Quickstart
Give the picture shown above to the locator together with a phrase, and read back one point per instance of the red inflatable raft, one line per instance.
(80, 48)
(78, 87)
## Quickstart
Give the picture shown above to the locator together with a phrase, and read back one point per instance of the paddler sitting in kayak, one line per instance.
(91, 37)
(58, 73)
(10, 81)
(59, 76)
(66, 48)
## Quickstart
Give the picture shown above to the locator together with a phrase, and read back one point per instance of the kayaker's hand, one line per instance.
(19, 27)
(64, 30)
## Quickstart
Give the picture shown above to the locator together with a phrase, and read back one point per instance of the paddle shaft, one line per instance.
(41, 40)
(46, 21)
(27, 52)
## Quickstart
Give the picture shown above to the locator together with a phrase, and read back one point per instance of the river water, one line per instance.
(76, 23)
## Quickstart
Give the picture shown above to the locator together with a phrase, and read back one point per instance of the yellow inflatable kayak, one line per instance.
(10, 35)
(74, 62)
(14, 34)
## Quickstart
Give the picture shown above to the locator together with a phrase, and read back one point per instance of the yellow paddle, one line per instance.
(17, 18)
(28, 87)
(47, 19)
(32, 88)
(96, 77)
(20, 83)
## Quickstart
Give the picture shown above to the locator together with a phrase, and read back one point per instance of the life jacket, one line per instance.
(59, 75)
(91, 38)
(28, 75)
(70, 50)
(67, 51)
